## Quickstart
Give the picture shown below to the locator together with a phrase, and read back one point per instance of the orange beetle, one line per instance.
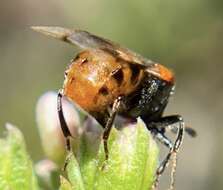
(106, 79)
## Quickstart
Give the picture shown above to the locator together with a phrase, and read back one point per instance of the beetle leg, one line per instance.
(169, 123)
(162, 139)
(109, 124)
(173, 149)
(167, 142)
(63, 125)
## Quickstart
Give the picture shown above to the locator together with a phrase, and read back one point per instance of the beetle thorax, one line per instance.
(96, 78)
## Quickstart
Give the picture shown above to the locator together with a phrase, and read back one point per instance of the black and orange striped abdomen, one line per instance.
(96, 78)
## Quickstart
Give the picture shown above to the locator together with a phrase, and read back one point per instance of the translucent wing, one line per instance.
(86, 40)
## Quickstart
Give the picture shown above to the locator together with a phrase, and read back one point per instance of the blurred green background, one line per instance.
(186, 36)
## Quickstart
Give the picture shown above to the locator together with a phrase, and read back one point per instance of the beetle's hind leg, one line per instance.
(63, 124)
(158, 130)
(169, 123)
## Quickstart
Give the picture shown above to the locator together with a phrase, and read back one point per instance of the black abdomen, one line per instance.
(150, 100)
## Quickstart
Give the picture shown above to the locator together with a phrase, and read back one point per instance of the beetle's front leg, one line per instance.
(64, 127)
(109, 123)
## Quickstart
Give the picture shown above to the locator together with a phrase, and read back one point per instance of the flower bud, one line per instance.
(51, 135)
(47, 173)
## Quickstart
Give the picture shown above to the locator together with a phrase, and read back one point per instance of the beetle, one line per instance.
(106, 79)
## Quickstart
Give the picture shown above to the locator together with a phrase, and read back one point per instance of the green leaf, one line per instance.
(74, 174)
(133, 158)
(89, 147)
(65, 185)
(16, 167)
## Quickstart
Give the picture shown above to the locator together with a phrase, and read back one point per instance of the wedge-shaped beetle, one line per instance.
(106, 79)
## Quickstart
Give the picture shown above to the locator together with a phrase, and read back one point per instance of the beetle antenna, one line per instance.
(190, 131)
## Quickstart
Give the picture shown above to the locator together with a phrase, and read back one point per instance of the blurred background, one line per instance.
(185, 36)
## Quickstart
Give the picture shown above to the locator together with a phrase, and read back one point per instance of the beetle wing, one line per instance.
(86, 40)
